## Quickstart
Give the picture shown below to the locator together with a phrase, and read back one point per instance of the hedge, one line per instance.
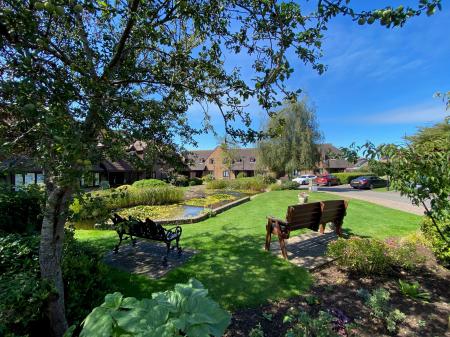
(346, 177)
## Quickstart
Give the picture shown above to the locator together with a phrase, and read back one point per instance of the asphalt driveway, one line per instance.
(389, 199)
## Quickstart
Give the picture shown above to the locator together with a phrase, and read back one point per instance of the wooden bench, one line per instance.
(132, 228)
(313, 216)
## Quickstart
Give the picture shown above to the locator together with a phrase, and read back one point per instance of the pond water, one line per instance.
(191, 211)
(181, 211)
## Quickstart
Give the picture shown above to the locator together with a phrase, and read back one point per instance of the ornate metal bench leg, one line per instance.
(167, 254)
(178, 246)
(116, 248)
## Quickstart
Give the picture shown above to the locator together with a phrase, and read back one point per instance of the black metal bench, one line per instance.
(147, 229)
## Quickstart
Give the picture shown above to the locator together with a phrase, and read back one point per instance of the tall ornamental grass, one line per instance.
(256, 184)
(101, 203)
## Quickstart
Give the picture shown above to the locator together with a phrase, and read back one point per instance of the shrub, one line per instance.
(378, 302)
(23, 294)
(267, 179)
(374, 257)
(413, 290)
(346, 177)
(99, 204)
(441, 249)
(145, 183)
(195, 181)
(186, 311)
(241, 175)
(218, 184)
(179, 180)
(21, 210)
(209, 177)
(305, 325)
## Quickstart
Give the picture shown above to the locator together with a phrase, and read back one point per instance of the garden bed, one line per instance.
(335, 291)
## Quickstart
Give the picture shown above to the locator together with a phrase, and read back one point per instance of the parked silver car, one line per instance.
(304, 179)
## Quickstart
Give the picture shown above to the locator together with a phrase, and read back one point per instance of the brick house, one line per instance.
(221, 165)
(204, 162)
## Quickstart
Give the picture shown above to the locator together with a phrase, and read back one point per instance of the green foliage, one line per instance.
(421, 171)
(346, 177)
(209, 200)
(294, 137)
(195, 181)
(86, 278)
(257, 331)
(378, 302)
(23, 295)
(256, 184)
(285, 185)
(209, 177)
(439, 246)
(146, 183)
(99, 204)
(185, 310)
(413, 290)
(374, 257)
(21, 210)
(304, 325)
(241, 175)
(153, 212)
(179, 180)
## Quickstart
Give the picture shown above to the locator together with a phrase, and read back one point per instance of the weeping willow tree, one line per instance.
(293, 142)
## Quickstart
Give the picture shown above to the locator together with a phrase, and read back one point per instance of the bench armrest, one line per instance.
(273, 219)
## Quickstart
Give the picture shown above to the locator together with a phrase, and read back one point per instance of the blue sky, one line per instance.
(379, 84)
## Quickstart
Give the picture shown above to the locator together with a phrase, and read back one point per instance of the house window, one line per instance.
(252, 159)
(18, 179)
(211, 161)
(202, 160)
(39, 178)
(226, 174)
(29, 178)
(96, 179)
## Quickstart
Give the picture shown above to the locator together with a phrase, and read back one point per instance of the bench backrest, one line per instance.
(304, 216)
(312, 215)
(333, 211)
(135, 227)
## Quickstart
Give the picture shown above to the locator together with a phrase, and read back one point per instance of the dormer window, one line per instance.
(211, 161)
(252, 159)
(202, 160)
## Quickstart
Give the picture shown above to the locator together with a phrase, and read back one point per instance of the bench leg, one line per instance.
(322, 228)
(167, 254)
(116, 248)
(338, 229)
(179, 250)
(283, 246)
(268, 234)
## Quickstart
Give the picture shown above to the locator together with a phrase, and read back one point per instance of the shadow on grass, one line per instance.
(234, 268)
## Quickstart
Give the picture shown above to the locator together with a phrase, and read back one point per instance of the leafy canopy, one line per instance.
(79, 79)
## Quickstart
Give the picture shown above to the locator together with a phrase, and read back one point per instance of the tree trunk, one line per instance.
(50, 254)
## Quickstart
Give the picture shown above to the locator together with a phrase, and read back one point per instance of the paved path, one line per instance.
(146, 258)
(388, 199)
(306, 250)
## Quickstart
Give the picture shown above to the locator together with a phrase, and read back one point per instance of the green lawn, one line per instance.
(232, 263)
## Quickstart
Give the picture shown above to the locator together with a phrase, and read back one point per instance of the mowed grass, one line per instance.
(231, 261)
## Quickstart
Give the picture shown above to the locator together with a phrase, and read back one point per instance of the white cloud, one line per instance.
(418, 114)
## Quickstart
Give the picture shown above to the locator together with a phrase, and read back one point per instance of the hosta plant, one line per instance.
(184, 311)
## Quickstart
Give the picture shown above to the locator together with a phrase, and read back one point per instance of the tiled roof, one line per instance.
(117, 166)
(197, 159)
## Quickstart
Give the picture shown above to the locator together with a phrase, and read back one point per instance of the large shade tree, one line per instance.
(80, 79)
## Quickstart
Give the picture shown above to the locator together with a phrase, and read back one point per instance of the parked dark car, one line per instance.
(327, 180)
(368, 182)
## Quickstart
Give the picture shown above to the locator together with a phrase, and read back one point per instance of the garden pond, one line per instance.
(192, 207)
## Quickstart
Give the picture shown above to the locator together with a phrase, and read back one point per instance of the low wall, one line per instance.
(204, 216)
